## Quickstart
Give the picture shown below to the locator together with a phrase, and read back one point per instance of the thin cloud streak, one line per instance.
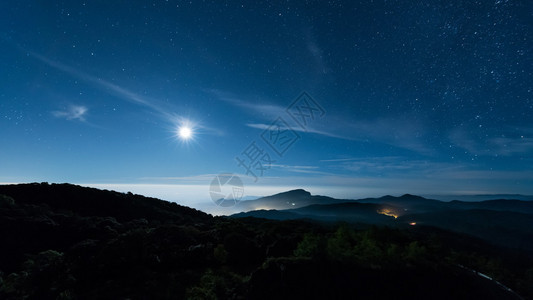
(115, 89)
(515, 142)
(300, 169)
(73, 112)
(299, 129)
(392, 165)
(272, 112)
(339, 159)
(267, 111)
(398, 132)
(315, 51)
(123, 93)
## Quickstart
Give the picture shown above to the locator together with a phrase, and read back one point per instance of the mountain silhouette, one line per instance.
(286, 200)
(507, 223)
(94, 202)
(343, 211)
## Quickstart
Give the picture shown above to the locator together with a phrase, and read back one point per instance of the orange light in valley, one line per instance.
(388, 213)
(412, 223)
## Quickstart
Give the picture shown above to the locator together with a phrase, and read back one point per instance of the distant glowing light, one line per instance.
(388, 212)
(185, 132)
(412, 223)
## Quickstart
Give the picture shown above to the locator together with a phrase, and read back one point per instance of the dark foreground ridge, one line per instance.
(61, 241)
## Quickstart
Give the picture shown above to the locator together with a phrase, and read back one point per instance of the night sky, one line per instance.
(343, 98)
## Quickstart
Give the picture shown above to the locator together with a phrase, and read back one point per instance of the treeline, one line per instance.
(50, 250)
(309, 260)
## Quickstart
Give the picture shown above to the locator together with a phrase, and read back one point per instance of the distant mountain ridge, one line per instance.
(483, 197)
(286, 200)
(299, 198)
(506, 223)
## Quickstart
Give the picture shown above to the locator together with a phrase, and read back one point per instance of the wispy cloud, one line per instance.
(193, 179)
(514, 141)
(390, 165)
(299, 129)
(101, 83)
(165, 111)
(462, 139)
(73, 112)
(339, 159)
(510, 146)
(269, 112)
(300, 169)
(401, 132)
(253, 104)
(495, 176)
(315, 51)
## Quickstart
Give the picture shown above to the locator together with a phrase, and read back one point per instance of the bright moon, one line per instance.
(185, 133)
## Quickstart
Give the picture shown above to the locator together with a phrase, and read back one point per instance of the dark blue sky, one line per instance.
(432, 97)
